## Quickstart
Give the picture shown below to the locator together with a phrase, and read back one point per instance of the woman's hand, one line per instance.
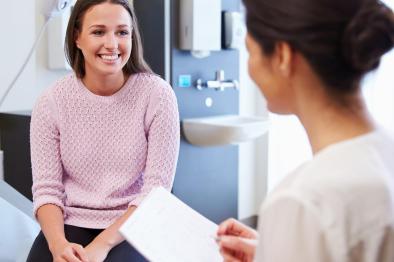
(68, 252)
(237, 249)
(232, 227)
(97, 250)
(237, 242)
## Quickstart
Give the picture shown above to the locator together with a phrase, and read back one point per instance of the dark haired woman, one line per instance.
(308, 58)
(101, 138)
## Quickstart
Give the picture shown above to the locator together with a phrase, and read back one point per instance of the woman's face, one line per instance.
(265, 72)
(105, 39)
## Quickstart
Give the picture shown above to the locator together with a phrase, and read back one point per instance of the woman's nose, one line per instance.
(111, 42)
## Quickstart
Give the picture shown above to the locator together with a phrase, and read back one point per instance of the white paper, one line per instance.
(164, 229)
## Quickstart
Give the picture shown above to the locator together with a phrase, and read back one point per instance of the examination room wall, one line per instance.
(17, 21)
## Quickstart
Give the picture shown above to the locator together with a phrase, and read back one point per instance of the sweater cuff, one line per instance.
(39, 202)
(137, 201)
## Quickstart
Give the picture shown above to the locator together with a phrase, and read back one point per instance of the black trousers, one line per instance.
(123, 252)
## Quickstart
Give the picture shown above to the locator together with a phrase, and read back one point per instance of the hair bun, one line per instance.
(368, 36)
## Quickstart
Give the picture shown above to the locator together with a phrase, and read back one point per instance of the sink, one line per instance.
(223, 129)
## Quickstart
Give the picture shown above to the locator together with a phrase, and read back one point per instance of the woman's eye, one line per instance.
(98, 32)
(124, 32)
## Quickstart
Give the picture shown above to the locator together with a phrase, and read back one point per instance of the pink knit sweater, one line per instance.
(94, 156)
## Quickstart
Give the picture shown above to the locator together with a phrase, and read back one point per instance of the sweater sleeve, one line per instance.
(290, 230)
(163, 134)
(47, 168)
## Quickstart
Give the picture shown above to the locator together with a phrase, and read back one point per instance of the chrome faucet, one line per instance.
(218, 84)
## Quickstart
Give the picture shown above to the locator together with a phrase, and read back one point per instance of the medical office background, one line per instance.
(262, 163)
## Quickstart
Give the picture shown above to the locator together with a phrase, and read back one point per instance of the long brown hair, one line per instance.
(136, 62)
(341, 39)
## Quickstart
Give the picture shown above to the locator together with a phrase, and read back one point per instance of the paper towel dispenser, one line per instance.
(234, 30)
(200, 25)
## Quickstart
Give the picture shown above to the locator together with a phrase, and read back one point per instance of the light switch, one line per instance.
(185, 81)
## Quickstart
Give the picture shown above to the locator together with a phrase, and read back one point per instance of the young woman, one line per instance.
(308, 58)
(101, 138)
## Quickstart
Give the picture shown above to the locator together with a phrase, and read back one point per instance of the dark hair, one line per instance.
(136, 62)
(341, 39)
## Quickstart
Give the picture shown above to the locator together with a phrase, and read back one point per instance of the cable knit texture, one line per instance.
(94, 156)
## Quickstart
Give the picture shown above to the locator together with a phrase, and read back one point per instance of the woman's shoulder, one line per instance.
(58, 96)
(61, 85)
(147, 77)
(346, 176)
(342, 188)
(153, 85)
(57, 89)
(155, 82)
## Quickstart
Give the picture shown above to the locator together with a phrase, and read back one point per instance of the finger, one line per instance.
(59, 260)
(70, 257)
(238, 255)
(225, 226)
(236, 228)
(80, 252)
(238, 244)
(243, 230)
(227, 253)
(229, 258)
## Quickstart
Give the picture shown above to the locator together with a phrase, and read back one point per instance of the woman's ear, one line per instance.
(76, 39)
(284, 58)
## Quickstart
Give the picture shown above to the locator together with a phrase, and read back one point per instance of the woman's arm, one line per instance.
(51, 221)
(163, 136)
(47, 169)
(99, 248)
(48, 188)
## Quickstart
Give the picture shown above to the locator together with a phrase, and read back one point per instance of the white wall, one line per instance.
(17, 29)
(379, 92)
(253, 163)
(20, 22)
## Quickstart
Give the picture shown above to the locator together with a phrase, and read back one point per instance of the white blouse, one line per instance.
(338, 207)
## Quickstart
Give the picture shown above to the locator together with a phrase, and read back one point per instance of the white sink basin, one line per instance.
(223, 129)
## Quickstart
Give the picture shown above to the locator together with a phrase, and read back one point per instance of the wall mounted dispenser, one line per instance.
(200, 26)
(234, 30)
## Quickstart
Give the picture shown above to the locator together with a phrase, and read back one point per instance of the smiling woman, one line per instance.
(105, 43)
(101, 138)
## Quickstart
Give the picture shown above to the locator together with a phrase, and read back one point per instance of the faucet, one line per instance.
(219, 83)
